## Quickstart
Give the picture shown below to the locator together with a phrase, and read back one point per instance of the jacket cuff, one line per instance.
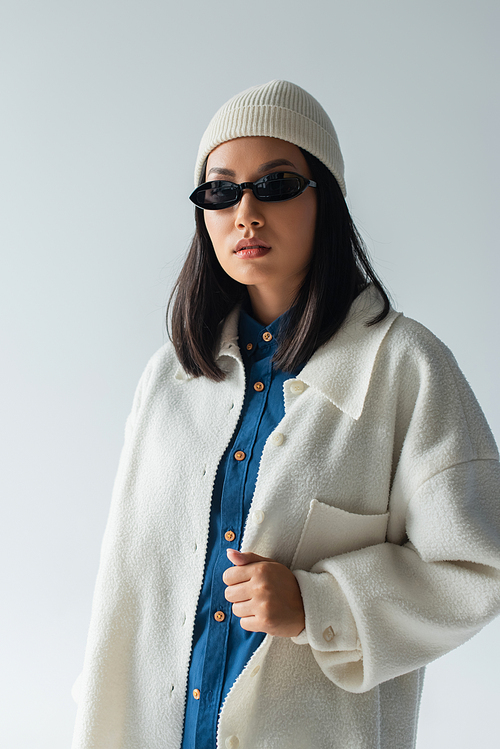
(330, 625)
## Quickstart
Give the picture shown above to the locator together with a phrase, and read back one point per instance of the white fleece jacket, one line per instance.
(380, 488)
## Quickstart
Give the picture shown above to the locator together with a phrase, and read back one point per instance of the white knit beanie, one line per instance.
(278, 109)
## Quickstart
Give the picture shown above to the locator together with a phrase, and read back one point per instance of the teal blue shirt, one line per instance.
(221, 648)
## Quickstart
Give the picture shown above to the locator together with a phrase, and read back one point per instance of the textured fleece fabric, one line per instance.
(379, 488)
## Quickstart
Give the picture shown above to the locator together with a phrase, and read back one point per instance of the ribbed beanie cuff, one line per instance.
(278, 109)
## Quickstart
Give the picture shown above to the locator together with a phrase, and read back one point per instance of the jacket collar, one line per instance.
(341, 369)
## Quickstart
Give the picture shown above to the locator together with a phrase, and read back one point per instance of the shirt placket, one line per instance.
(233, 513)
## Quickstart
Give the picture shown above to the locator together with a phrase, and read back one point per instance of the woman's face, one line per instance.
(286, 228)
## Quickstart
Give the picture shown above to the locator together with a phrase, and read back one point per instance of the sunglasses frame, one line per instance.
(305, 183)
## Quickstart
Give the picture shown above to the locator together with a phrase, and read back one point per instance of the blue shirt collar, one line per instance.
(252, 334)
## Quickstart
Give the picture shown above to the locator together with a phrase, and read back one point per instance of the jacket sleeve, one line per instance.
(390, 608)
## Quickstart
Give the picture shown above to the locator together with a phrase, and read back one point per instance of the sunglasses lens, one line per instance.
(280, 188)
(214, 195)
(272, 188)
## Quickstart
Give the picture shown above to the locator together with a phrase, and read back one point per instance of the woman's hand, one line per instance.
(265, 595)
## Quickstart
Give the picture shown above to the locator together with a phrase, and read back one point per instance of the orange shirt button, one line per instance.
(219, 616)
(196, 694)
(239, 455)
(259, 387)
(229, 535)
(267, 336)
(249, 346)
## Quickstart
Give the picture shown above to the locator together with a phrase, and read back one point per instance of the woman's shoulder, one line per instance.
(401, 335)
(409, 333)
(410, 358)
(161, 366)
(164, 360)
(424, 370)
(411, 341)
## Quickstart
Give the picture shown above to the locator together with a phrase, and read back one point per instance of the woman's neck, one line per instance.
(267, 307)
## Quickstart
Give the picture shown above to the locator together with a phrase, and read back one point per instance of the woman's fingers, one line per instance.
(238, 593)
(250, 623)
(235, 575)
(243, 609)
(265, 596)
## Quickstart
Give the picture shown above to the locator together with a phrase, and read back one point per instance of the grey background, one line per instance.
(103, 106)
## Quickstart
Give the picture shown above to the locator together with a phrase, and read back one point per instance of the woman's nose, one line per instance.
(249, 211)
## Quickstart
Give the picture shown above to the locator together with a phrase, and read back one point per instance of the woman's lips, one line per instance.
(252, 251)
(251, 248)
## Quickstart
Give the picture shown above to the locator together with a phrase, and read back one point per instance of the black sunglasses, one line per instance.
(273, 187)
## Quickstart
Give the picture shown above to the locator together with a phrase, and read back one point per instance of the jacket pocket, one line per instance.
(329, 531)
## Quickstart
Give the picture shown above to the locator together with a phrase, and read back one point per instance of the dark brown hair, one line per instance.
(340, 269)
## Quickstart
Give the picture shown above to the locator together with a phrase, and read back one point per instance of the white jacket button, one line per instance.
(296, 387)
(277, 438)
(232, 742)
(328, 634)
(258, 517)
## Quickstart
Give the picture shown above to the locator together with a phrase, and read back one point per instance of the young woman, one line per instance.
(306, 507)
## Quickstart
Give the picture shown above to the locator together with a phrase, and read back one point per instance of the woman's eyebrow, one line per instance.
(262, 168)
